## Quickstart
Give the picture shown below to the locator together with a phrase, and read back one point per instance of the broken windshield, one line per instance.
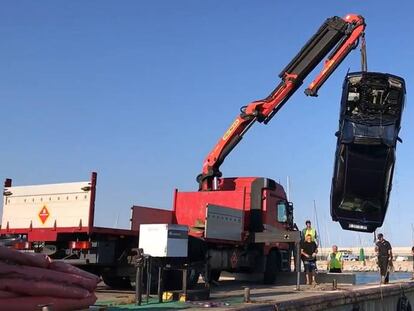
(373, 99)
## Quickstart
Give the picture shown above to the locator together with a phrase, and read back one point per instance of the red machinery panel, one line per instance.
(149, 215)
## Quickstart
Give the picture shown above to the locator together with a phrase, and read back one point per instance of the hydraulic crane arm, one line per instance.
(340, 34)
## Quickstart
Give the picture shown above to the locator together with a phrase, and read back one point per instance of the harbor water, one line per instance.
(374, 277)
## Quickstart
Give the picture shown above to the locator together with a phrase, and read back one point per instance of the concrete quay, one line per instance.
(228, 295)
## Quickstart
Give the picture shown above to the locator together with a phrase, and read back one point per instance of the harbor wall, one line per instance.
(367, 298)
(376, 298)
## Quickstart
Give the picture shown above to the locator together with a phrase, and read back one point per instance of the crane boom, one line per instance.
(340, 35)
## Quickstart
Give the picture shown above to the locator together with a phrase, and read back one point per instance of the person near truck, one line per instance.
(335, 263)
(311, 231)
(383, 250)
(308, 252)
(412, 253)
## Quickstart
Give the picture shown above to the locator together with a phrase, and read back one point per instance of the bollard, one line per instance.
(149, 270)
(297, 245)
(138, 277)
(184, 289)
(160, 284)
(334, 284)
(246, 294)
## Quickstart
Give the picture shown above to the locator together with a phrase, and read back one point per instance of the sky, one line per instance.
(140, 92)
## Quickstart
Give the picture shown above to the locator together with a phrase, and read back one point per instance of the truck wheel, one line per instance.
(192, 278)
(272, 267)
(117, 282)
(215, 275)
(173, 279)
(154, 282)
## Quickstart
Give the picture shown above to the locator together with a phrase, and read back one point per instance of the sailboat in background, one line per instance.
(320, 245)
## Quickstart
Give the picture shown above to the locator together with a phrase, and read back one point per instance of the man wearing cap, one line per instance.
(308, 230)
(383, 250)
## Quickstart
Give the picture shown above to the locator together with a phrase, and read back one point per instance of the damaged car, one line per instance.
(370, 117)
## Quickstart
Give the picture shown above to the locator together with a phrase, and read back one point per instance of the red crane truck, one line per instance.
(262, 242)
(234, 224)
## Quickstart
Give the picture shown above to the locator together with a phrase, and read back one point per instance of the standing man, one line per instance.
(412, 253)
(383, 250)
(335, 263)
(308, 252)
(309, 230)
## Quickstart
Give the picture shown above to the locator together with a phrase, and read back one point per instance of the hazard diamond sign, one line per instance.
(233, 260)
(44, 214)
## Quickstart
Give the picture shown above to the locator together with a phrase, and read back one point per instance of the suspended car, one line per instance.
(370, 117)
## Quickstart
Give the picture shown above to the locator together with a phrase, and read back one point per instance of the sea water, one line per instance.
(374, 277)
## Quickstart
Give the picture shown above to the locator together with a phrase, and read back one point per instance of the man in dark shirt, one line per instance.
(384, 253)
(412, 253)
(308, 252)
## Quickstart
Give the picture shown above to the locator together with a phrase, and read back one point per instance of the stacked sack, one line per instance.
(29, 281)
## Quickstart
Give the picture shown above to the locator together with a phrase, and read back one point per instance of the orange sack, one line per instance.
(67, 268)
(28, 259)
(42, 288)
(39, 274)
(6, 294)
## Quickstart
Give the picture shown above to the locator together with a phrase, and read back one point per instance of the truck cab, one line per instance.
(230, 224)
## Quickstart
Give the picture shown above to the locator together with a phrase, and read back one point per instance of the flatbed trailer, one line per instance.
(58, 220)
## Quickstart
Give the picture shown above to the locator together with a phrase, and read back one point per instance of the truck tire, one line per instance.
(173, 279)
(272, 267)
(117, 282)
(154, 283)
(192, 278)
(215, 275)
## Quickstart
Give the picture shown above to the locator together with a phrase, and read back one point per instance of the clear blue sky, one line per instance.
(140, 91)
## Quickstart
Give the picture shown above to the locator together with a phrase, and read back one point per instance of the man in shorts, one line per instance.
(308, 252)
(384, 254)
